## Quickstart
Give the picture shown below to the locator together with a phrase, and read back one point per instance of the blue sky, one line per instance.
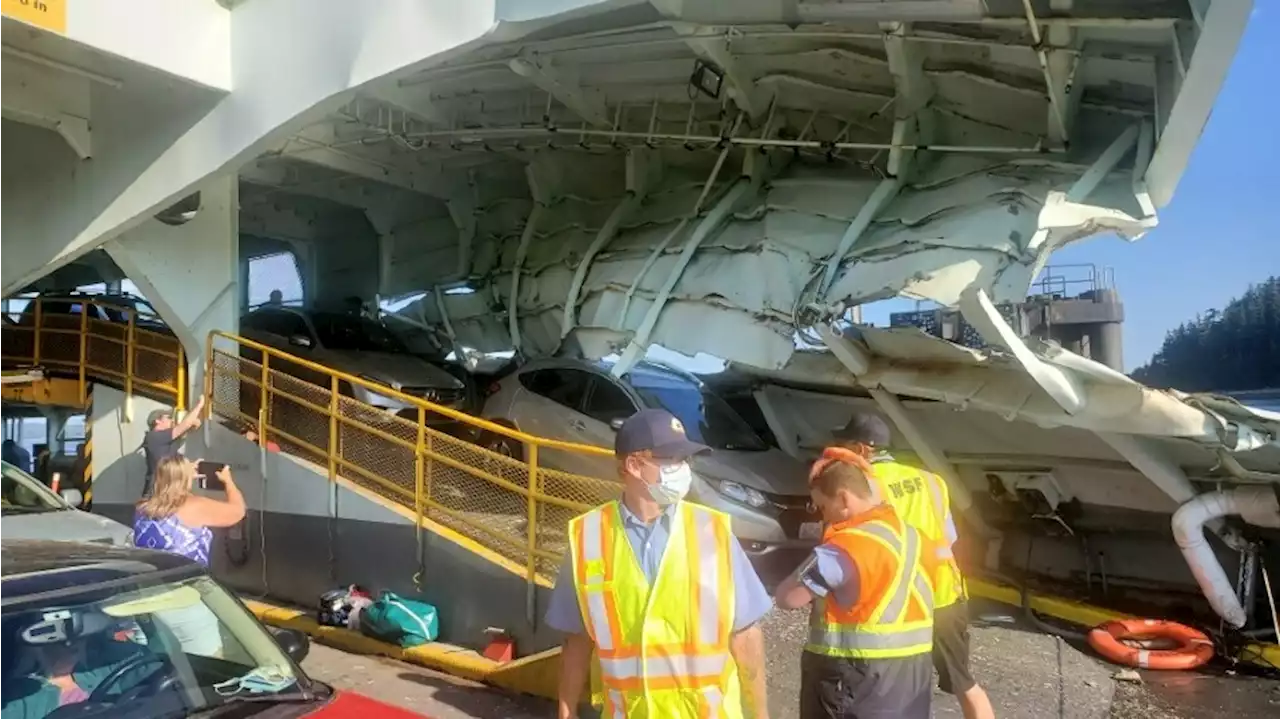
(1218, 234)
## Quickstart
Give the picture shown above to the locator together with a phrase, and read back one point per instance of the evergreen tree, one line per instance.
(1237, 348)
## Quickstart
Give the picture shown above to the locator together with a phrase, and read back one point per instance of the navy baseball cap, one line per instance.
(658, 431)
(868, 429)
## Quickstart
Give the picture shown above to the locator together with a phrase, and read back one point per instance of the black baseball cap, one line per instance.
(658, 431)
(868, 429)
(156, 415)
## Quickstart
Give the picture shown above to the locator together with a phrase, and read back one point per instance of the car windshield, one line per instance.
(351, 332)
(119, 646)
(706, 417)
(24, 494)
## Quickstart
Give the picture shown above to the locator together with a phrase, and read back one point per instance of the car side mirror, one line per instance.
(300, 340)
(617, 422)
(72, 497)
(295, 643)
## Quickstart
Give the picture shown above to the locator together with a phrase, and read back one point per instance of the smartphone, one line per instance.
(207, 472)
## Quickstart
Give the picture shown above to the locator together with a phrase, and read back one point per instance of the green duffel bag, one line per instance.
(394, 619)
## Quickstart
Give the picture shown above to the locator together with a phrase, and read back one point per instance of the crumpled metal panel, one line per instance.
(965, 223)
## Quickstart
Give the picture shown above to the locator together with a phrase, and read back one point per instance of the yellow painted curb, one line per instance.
(537, 674)
(1087, 615)
(442, 657)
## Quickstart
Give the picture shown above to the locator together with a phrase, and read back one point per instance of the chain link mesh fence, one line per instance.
(59, 336)
(409, 453)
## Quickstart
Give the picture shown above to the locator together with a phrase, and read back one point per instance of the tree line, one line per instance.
(1237, 348)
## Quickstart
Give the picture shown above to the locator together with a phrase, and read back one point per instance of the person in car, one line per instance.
(16, 455)
(164, 437)
(63, 660)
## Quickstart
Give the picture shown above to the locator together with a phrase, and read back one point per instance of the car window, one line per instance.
(339, 331)
(23, 494)
(141, 646)
(284, 324)
(607, 401)
(563, 386)
(706, 417)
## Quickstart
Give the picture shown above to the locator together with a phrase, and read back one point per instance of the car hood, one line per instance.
(771, 471)
(394, 368)
(349, 705)
(69, 525)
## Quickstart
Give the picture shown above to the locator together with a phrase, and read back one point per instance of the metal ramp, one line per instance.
(423, 459)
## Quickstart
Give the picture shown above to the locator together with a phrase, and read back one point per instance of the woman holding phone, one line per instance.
(173, 519)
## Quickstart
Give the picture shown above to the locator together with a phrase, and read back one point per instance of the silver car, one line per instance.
(357, 346)
(763, 489)
(32, 511)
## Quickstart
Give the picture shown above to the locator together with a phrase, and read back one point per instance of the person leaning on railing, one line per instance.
(173, 519)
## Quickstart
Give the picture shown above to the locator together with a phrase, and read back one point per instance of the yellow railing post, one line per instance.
(208, 381)
(419, 492)
(182, 378)
(129, 350)
(35, 349)
(420, 467)
(532, 558)
(84, 353)
(262, 401)
(333, 428)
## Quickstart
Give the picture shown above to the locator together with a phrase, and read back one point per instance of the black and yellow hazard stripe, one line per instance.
(86, 464)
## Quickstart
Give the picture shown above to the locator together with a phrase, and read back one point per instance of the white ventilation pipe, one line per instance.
(1258, 505)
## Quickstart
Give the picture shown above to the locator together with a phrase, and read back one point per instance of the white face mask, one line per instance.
(672, 485)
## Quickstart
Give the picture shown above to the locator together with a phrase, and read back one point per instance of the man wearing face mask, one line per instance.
(660, 592)
(870, 582)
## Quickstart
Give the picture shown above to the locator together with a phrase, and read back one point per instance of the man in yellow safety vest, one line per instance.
(661, 592)
(922, 500)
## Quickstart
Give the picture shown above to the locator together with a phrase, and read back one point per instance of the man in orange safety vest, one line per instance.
(922, 499)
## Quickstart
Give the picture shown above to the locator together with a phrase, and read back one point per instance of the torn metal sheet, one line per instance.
(913, 364)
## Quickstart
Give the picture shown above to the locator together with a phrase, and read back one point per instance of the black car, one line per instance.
(96, 631)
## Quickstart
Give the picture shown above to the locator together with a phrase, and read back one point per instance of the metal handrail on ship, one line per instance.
(89, 332)
(426, 447)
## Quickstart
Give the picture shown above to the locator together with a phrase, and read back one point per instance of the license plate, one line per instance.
(811, 530)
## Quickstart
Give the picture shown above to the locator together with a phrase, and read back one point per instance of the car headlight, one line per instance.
(374, 395)
(742, 494)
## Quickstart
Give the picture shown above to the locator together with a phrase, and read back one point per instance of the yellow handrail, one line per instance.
(516, 508)
(391, 392)
(91, 349)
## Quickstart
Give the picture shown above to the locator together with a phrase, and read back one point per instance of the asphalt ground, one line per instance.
(1027, 674)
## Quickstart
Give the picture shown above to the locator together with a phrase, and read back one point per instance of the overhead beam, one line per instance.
(1063, 67)
(36, 95)
(563, 84)
(913, 92)
(317, 145)
(282, 178)
(400, 99)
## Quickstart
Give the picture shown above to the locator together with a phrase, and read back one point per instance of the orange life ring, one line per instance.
(1193, 650)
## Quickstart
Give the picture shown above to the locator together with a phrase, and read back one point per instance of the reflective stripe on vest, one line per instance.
(886, 633)
(662, 650)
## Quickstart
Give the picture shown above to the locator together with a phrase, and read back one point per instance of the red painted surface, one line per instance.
(348, 705)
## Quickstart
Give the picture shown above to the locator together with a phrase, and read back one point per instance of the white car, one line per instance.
(763, 489)
(32, 511)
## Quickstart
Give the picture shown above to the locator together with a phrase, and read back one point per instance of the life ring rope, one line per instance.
(1193, 647)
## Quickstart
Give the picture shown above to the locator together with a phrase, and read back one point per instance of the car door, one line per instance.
(606, 403)
(551, 407)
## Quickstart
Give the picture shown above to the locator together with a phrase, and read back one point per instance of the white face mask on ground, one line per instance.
(672, 485)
